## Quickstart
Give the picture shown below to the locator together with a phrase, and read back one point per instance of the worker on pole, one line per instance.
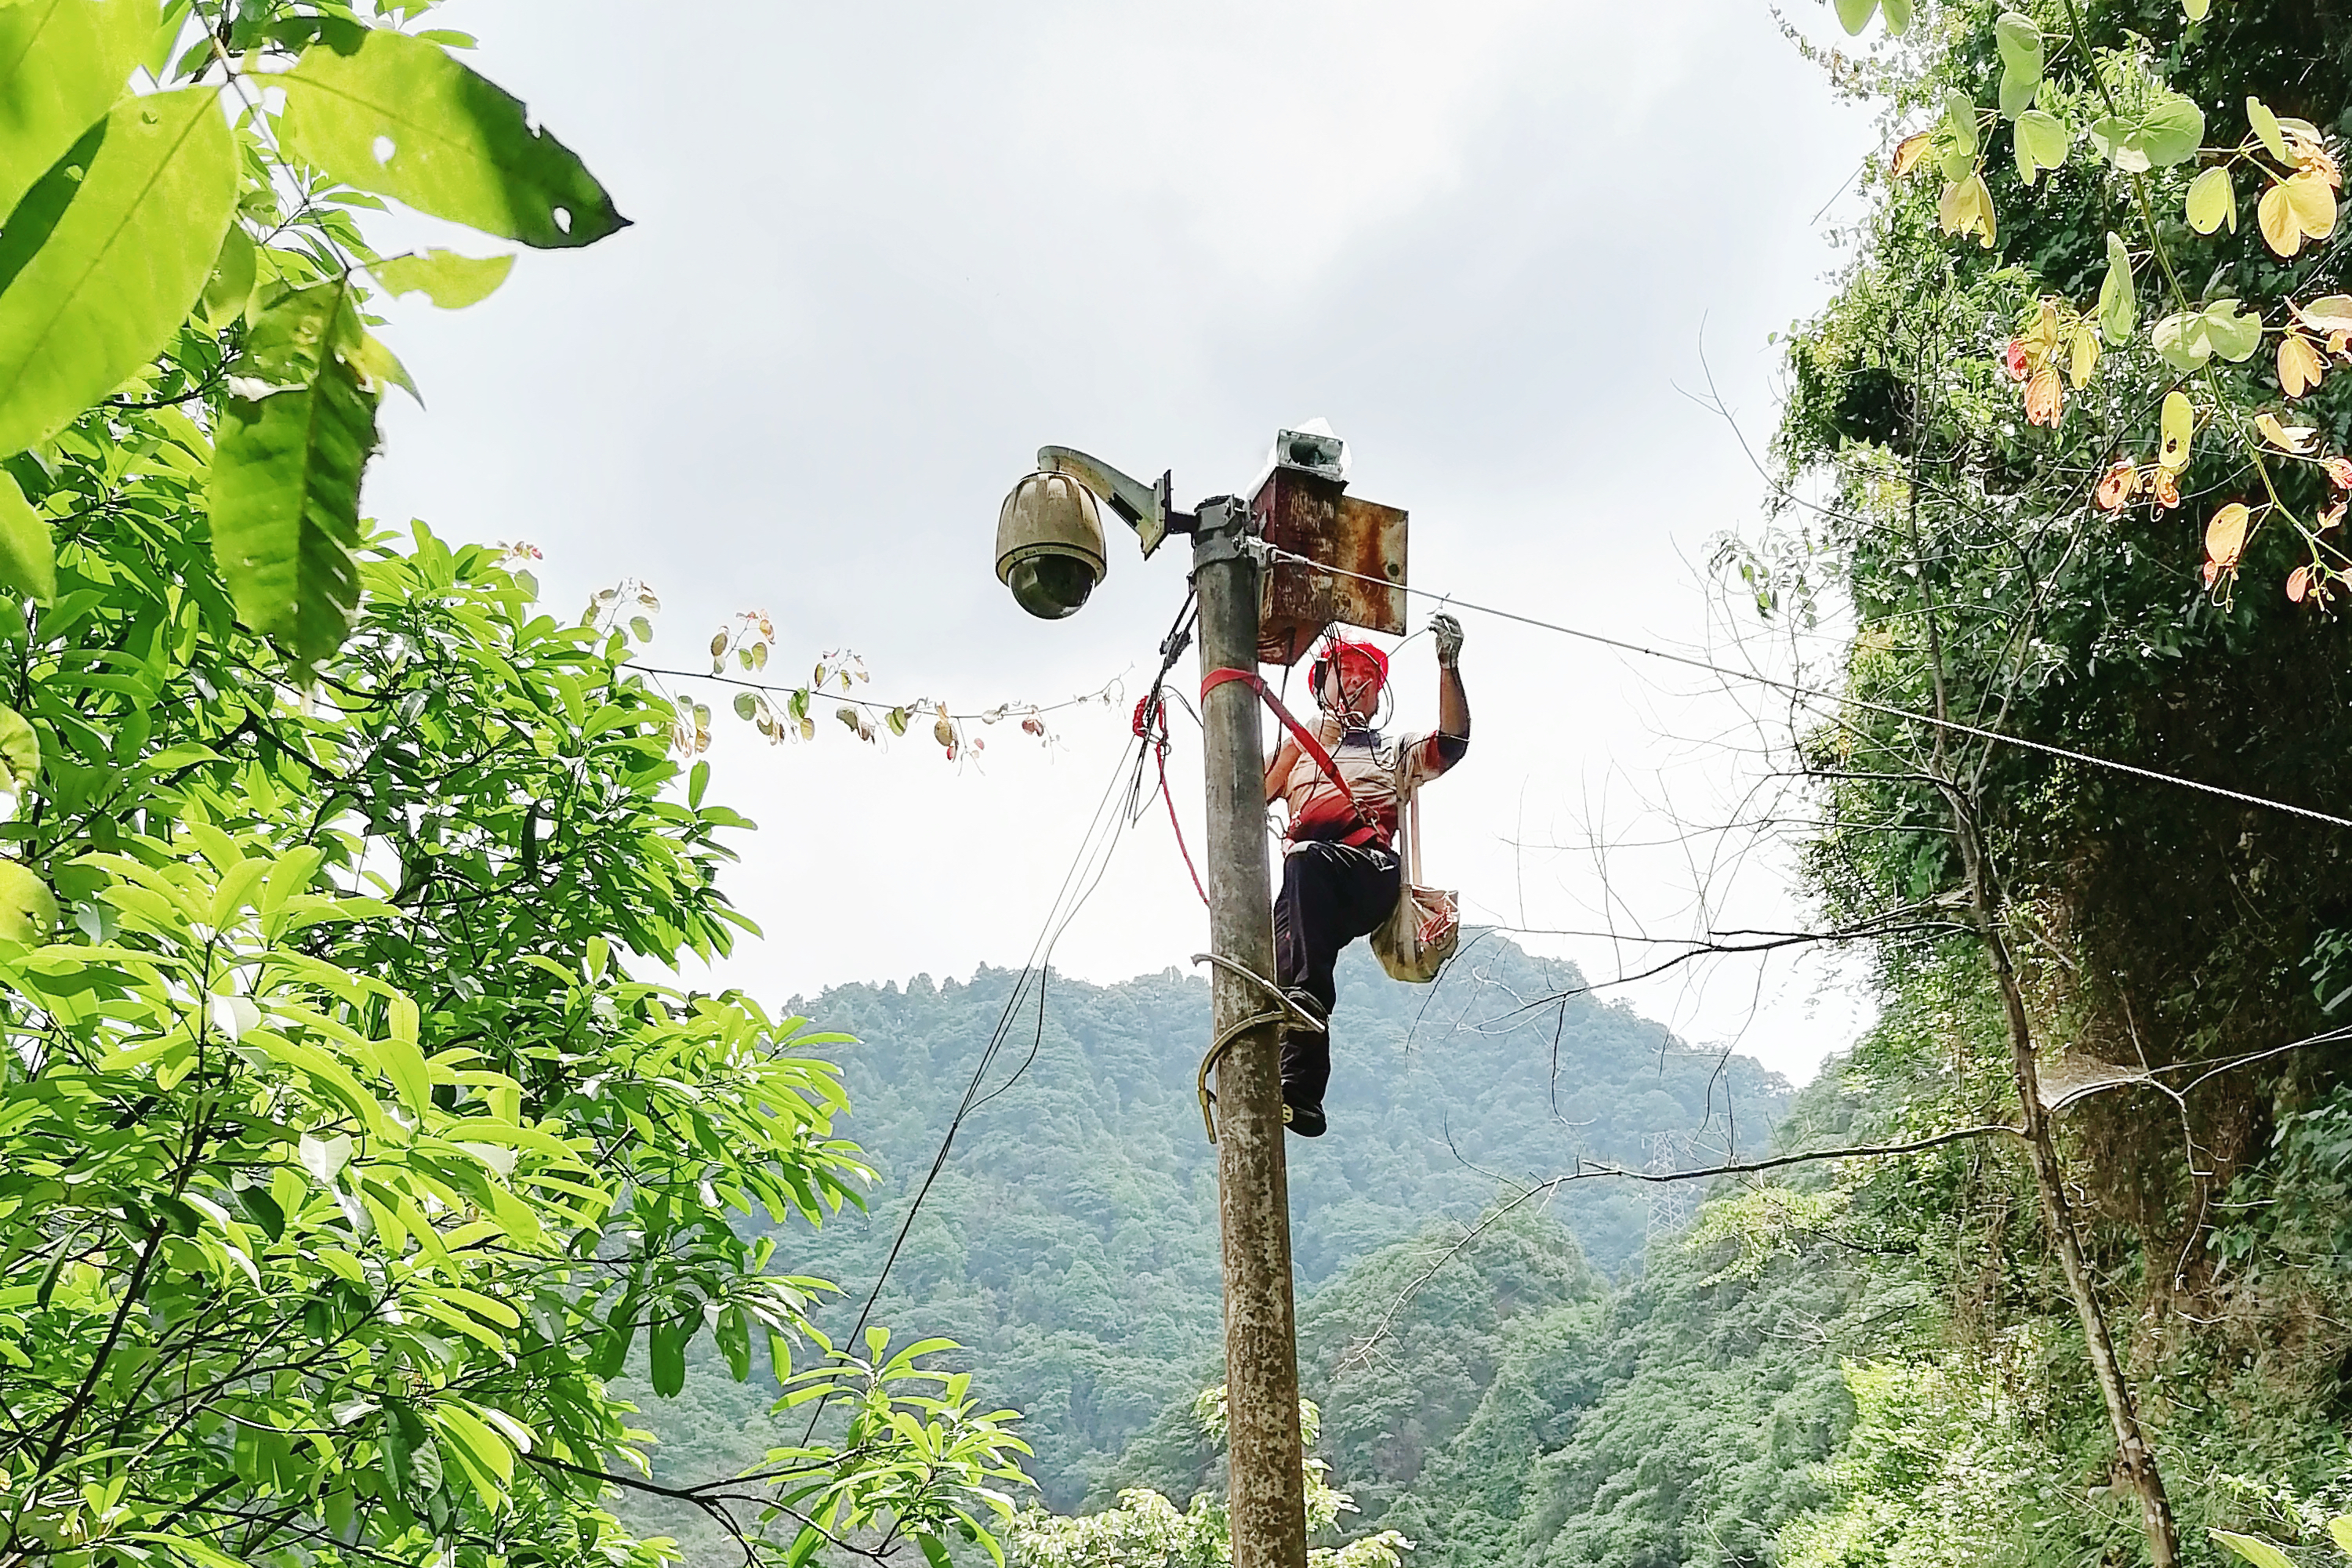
(1340, 866)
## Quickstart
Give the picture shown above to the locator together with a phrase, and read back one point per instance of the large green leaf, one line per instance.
(396, 115)
(287, 462)
(450, 280)
(61, 63)
(2166, 131)
(102, 276)
(28, 554)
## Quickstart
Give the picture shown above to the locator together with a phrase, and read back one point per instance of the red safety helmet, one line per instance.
(1356, 661)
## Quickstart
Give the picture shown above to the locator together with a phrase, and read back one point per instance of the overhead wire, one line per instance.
(1816, 694)
(1086, 873)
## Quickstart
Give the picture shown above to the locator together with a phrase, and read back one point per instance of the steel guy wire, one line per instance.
(1815, 694)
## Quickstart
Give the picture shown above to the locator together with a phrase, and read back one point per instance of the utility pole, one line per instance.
(1268, 1487)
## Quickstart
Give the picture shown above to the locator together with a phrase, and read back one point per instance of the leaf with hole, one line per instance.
(396, 115)
(2225, 536)
(2177, 425)
(97, 274)
(286, 479)
(62, 62)
(2212, 201)
(450, 280)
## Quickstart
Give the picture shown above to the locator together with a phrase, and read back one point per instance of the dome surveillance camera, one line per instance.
(1049, 544)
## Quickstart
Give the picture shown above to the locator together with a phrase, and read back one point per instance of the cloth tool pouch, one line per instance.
(1421, 932)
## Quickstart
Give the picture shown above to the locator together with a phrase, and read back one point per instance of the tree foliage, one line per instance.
(343, 1159)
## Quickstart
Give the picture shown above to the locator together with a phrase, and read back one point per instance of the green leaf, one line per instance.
(933, 1552)
(734, 1335)
(2118, 302)
(95, 295)
(1960, 116)
(2180, 339)
(746, 704)
(2253, 1548)
(2339, 1530)
(20, 751)
(396, 115)
(2212, 201)
(2196, 9)
(29, 553)
(2019, 42)
(667, 1345)
(230, 288)
(28, 911)
(62, 62)
(2041, 143)
(1853, 15)
(286, 476)
(450, 280)
(2168, 131)
(2266, 126)
(1897, 13)
(2235, 334)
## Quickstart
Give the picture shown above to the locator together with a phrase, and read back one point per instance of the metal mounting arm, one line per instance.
(1146, 508)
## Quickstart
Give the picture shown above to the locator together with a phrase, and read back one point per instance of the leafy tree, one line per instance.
(1147, 1531)
(342, 1159)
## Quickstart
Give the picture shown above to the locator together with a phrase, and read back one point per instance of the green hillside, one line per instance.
(1071, 1241)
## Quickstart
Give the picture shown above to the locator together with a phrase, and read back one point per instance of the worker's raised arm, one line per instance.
(1277, 771)
(1452, 702)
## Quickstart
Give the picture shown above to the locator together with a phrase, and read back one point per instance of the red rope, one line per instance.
(1306, 738)
(1151, 728)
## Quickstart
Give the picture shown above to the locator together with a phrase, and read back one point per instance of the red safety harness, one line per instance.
(1366, 831)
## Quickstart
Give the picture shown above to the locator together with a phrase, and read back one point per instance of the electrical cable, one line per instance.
(1815, 694)
(1085, 874)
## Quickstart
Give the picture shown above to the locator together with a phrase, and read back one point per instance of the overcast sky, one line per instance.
(882, 252)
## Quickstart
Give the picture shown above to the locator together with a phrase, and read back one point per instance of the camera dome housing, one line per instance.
(1049, 544)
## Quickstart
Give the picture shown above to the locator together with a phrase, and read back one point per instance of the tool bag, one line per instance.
(1421, 932)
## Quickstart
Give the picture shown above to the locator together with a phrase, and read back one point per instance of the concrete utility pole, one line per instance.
(1268, 1487)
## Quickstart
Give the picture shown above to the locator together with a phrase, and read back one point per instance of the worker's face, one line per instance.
(1349, 688)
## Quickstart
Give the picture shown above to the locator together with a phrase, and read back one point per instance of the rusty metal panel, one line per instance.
(1310, 515)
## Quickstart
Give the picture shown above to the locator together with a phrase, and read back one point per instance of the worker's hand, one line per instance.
(1448, 632)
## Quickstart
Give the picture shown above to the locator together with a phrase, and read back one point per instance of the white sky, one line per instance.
(883, 252)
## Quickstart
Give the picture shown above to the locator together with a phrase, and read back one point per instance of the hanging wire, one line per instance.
(1086, 873)
(1815, 694)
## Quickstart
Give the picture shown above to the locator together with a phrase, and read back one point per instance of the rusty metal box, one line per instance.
(1310, 515)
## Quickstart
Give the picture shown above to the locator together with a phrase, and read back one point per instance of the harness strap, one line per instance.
(1366, 830)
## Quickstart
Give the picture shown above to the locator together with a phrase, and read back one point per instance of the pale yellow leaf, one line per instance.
(2176, 426)
(2225, 536)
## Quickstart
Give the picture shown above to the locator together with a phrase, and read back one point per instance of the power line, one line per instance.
(1815, 694)
(1086, 873)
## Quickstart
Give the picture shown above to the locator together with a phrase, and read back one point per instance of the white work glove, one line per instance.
(1448, 632)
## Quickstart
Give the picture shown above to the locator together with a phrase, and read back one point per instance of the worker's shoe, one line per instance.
(1306, 1121)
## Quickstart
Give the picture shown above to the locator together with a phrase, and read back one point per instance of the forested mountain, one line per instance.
(1071, 1241)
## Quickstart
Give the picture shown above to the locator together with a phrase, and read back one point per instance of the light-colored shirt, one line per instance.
(1370, 766)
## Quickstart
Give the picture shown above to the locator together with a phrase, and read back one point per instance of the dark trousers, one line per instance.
(1331, 894)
